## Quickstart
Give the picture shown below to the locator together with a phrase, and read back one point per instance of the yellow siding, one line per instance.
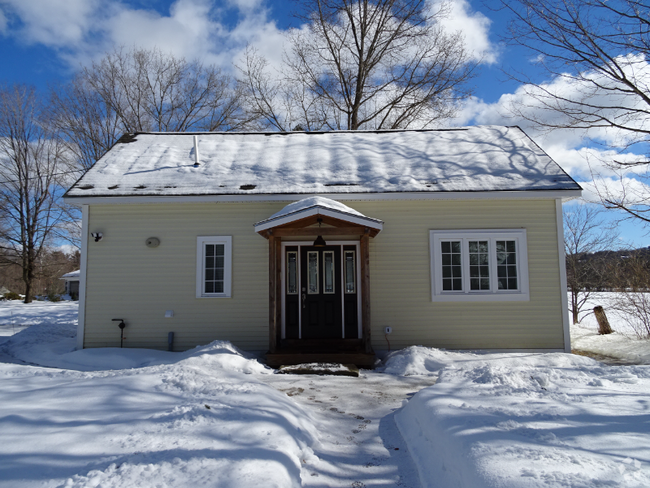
(125, 279)
(401, 283)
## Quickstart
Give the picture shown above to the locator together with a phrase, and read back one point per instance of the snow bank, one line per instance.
(524, 420)
(181, 425)
(51, 341)
(419, 360)
(136, 417)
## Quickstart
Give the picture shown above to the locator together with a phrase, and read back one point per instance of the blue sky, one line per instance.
(43, 42)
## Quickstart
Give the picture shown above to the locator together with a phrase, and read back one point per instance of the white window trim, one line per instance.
(494, 294)
(201, 241)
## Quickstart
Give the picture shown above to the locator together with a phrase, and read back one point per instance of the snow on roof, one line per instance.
(306, 203)
(72, 275)
(317, 206)
(479, 158)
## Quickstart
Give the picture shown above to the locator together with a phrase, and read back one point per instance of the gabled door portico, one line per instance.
(319, 296)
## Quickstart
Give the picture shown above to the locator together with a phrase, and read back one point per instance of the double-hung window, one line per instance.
(479, 265)
(214, 267)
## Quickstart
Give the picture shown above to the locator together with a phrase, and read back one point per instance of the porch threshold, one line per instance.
(331, 369)
(289, 358)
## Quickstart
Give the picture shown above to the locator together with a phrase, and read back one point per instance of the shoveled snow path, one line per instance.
(360, 443)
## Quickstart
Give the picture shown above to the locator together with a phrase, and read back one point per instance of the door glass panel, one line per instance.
(328, 272)
(479, 269)
(350, 275)
(507, 265)
(292, 273)
(312, 272)
(452, 277)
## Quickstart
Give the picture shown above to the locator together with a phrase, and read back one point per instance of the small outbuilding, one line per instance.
(325, 246)
(71, 281)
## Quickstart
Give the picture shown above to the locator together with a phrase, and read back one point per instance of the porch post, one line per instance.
(272, 292)
(278, 289)
(365, 290)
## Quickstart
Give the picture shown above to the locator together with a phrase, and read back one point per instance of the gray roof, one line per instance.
(72, 276)
(478, 158)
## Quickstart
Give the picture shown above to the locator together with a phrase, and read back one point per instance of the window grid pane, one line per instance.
(214, 268)
(350, 275)
(452, 277)
(292, 273)
(479, 268)
(507, 265)
(328, 272)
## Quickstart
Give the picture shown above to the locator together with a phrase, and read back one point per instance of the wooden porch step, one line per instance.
(282, 358)
(321, 345)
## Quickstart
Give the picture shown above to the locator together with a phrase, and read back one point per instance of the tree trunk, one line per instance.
(603, 323)
(28, 278)
(574, 306)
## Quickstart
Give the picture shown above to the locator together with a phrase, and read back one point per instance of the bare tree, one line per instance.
(585, 236)
(142, 90)
(32, 164)
(362, 64)
(51, 265)
(598, 52)
(631, 276)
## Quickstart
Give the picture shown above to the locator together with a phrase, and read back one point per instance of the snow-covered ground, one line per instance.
(214, 417)
(526, 420)
(624, 343)
(16, 316)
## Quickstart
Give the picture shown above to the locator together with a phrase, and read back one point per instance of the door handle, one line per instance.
(304, 300)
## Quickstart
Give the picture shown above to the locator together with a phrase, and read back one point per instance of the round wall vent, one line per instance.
(152, 242)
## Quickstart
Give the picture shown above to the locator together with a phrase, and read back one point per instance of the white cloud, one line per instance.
(83, 30)
(247, 5)
(53, 23)
(581, 152)
(185, 32)
(631, 191)
(3, 23)
(474, 26)
(549, 103)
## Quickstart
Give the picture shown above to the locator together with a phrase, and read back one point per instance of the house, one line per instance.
(71, 281)
(334, 245)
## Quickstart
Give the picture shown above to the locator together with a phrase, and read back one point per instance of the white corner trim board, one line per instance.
(563, 279)
(82, 277)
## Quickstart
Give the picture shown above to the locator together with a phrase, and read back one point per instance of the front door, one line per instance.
(321, 292)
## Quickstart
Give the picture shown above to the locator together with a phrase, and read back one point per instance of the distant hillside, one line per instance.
(610, 270)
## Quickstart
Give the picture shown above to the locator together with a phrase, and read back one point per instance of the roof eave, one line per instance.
(289, 197)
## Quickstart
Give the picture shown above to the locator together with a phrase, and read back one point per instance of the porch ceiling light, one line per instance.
(319, 242)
